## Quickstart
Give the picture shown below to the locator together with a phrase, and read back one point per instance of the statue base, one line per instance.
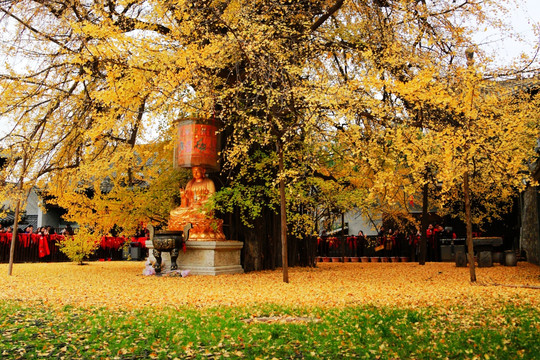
(205, 257)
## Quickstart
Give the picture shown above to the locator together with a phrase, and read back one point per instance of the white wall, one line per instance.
(359, 222)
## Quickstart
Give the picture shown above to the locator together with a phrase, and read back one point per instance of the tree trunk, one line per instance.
(253, 248)
(17, 211)
(470, 247)
(262, 243)
(530, 239)
(14, 235)
(469, 53)
(261, 249)
(424, 225)
(283, 217)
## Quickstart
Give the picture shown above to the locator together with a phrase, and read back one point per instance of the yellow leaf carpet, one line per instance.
(122, 285)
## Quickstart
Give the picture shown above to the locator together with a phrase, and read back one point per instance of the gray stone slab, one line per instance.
(206, 257)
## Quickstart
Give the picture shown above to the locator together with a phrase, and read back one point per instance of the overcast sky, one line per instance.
(524, 20)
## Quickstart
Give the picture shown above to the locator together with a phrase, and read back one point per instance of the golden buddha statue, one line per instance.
(191, 210)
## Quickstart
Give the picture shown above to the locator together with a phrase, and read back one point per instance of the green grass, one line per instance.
(34, 331)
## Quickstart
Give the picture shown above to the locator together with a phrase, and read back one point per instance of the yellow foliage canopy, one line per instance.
(372, 93)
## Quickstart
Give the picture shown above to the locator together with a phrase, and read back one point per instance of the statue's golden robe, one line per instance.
(204, 226)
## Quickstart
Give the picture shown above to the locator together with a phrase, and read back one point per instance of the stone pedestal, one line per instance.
(461, 258)
(206, 257)
(485, 259)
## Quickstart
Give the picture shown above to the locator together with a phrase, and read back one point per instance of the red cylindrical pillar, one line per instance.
(197, 144)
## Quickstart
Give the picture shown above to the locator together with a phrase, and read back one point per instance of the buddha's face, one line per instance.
(198, 172)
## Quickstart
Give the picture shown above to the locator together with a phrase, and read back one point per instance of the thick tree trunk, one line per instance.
(262, 243)
(470, 247)
(253, 248)
(530, 239)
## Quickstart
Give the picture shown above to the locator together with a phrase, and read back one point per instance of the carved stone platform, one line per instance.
(206, 257)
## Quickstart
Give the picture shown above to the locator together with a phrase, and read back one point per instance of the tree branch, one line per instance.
(325, 17)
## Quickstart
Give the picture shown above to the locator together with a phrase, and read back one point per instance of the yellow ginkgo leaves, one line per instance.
(122, 285)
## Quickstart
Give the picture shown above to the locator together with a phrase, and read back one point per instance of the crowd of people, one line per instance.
(387, 243)
(42, 243)
(29, 238)
(42, 230)
(6, 229)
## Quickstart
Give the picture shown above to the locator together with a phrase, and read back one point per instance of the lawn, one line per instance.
(352, 310)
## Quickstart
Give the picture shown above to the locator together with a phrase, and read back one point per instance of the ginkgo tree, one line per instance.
(282, 77)
(412, 112)
(104, 72)
(484, 150)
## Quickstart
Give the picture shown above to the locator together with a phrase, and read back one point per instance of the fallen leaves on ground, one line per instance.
(281, 319)
(122, 285)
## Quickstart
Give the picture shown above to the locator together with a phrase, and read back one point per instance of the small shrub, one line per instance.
(79, 246)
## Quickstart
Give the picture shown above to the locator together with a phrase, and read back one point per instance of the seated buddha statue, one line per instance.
(192, 210)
